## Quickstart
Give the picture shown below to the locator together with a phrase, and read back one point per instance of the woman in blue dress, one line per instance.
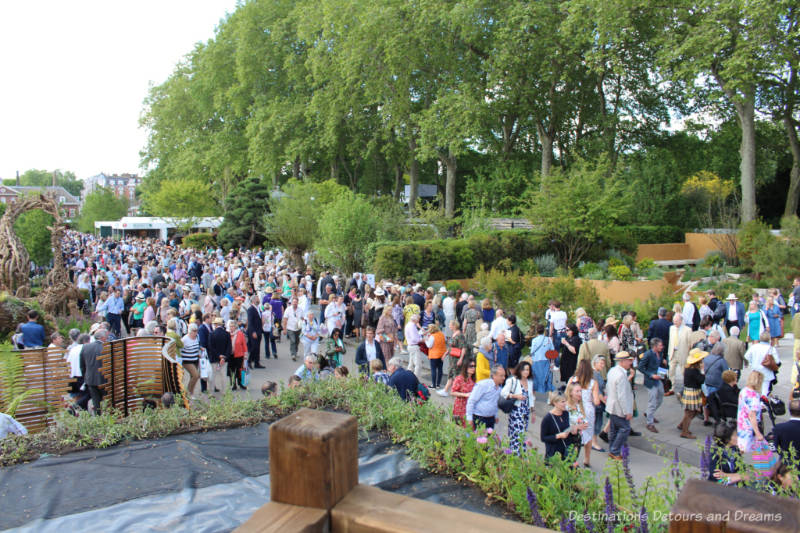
(774, 315)
(756, 322)
(542, 375)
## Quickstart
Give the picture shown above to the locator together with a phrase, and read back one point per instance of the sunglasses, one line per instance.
(471, 366)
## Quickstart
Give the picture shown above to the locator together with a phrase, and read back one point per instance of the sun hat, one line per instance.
(218, 320)
(379, 292)
(611, 321)
(622, 355)
(442, 289)
(695, 355)
(731, 296)
(140, 296)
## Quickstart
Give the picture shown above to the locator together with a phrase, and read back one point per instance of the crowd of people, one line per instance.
(228, 311)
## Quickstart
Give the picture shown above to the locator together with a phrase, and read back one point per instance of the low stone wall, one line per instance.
(696, 246)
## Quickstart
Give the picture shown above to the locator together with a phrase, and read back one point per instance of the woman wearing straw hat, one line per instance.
(692, 382)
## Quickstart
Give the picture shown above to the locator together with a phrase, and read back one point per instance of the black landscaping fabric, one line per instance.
(57, 486)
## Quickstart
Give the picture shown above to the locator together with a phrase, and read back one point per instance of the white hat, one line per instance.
(731, 296)
(94, 328)
(379, 292)
(442, 289)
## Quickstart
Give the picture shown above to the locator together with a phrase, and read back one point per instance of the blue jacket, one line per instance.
(648, 366)
(405, 382)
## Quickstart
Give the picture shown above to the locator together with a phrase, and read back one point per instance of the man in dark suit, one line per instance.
(515, 341)
(220, 350)
(369, 345)
(659, 328)
(731, 313)
(203, 334)
(91, 367)
(254, 333)
(404, 381)
(787, 434)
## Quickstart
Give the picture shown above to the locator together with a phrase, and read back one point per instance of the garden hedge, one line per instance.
(461, 258)
(199, 241)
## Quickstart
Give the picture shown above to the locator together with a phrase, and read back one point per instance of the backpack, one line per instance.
(423, 394)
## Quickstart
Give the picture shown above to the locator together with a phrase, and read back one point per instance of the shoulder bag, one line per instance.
(507, 404)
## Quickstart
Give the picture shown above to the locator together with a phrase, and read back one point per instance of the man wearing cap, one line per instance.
(619, 404)
(732, 312)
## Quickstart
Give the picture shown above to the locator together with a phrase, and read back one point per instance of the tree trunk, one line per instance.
(451, 166)
(413, 175)
(276, 180)
(398, 182)
(546, 140)
(335, 171)
(793, 196)
(296, 168)
(303, 169)
(746, 113)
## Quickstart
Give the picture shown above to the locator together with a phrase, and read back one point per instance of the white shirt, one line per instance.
(499, 325)
(74, 359)
(754, 357)
(559, 320)
(688, 313)
(293, 317)
(369, 348)
(449, 308)
(732, 312)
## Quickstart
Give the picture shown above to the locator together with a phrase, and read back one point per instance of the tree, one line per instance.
(247, 205)
(347, 226)
(716, 46)
(182, 200)
(575, 208)
(44, 178)
(32, 229)
(294, 216)
(101, 204)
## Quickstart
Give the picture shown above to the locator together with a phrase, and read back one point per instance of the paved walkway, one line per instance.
(649, 453)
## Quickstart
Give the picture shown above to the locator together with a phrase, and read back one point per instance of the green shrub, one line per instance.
(455, 258)
(645, 264)
(615, 262)
(546, 264)
(714, 259)
(453, 286)
(620, 272)
(199, 241)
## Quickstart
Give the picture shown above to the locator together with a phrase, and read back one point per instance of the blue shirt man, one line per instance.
(482, 401)
(32, 332)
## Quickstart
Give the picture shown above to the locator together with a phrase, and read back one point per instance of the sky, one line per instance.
(74, 74)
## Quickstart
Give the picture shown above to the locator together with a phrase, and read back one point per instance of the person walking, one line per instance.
(190, 357)
(462, 387)
(413, 339)
(437, 347)
(556, 432)
(652, 360)
(482, 401)
(292, 320)
(519, 387)
(692, 384)
(91, 367)
(255, 330)
(220, 350)
(619, 403)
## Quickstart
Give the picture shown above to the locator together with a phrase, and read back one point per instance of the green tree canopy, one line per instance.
(101, 204)
(347, 226)
(575, 208)
(182, 200)
(44, 178)
(32, 229)
(247, 206)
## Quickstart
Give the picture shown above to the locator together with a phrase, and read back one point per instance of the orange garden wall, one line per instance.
(697, 246)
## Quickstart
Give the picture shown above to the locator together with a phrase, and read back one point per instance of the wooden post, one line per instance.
(313, 458)
(705, 507)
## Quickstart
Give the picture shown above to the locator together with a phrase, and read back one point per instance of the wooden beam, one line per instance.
(313, 458)
(277, 517)
(705, 507)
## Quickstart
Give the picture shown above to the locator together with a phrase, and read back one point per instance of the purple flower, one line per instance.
(482, 440)
(533, 503)
(508, 451)
(610, 509)
(567, 525)
(489, 431)
(626, 468)
(587, 521)
(643, 528)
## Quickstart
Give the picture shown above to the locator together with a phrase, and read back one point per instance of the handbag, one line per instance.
(456, 352)
(769, 362)
(245, 380)
(507, 404)
(764, 460)
(205, 368)
(551, 354)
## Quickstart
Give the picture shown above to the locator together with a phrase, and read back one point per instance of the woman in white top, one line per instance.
(590, 398)
(520, 387)
(335, 314)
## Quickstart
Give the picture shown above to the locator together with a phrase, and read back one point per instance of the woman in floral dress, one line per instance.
(749, 413)
(471, 315)
(519, 387)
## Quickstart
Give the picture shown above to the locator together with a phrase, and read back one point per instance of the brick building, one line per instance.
(69, 203)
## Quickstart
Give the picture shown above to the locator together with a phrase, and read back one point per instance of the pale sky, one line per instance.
(74, 75)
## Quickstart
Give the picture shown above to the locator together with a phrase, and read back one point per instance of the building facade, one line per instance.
(123, 185)
(70, 204)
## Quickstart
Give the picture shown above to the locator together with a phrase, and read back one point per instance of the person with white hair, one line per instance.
(734, 351)
(484, 359)
(310, 335)
(413, 338)
(306, 371)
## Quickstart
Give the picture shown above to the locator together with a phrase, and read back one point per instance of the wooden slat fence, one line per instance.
(134, 368)
(44, 369)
